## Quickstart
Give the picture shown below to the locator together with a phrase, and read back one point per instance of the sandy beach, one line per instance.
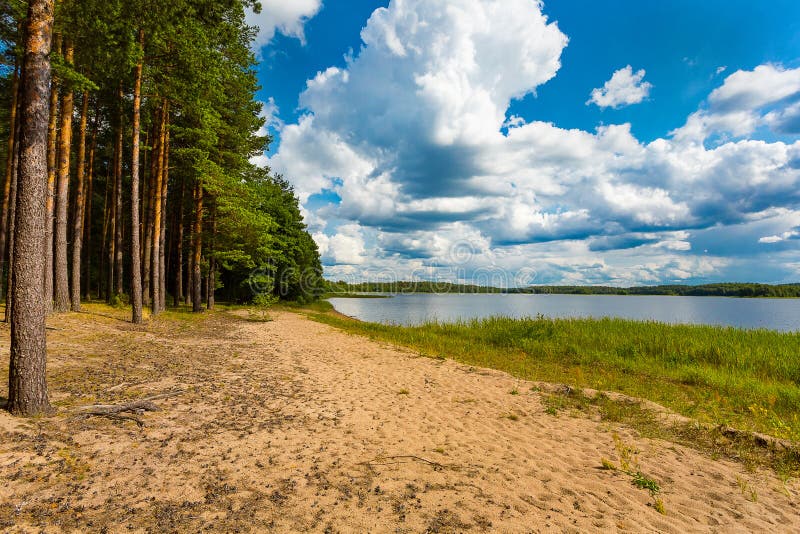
(291, 426)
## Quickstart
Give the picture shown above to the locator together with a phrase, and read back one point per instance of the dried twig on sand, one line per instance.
(119, 412)
(404, 459)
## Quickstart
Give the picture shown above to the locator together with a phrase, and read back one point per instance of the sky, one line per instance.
(515, 142)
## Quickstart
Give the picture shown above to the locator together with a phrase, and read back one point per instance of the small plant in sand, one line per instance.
(261, 305)
(748, 491)
(629, 465)
(404, 391)
(514, 391)
(607, 465)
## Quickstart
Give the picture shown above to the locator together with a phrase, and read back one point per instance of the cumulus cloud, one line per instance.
(623, 89)
(344, 247)
(413, 134)
(286, 17)
(768, 95)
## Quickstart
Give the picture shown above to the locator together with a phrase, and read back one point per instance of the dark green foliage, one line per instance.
(197, 58)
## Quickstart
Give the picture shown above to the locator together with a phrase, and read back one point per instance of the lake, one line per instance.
(412, 309)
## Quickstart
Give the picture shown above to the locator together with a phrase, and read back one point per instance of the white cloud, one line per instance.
(778, 238)
(741, 105)
(623, 89)
(413, 133)
(285, 16)
(753, 89)
(345, 247)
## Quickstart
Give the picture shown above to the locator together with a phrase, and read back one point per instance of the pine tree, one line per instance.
(27, 391)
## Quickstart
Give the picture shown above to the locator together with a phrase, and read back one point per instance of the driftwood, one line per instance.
(403, 459)
(119, 412)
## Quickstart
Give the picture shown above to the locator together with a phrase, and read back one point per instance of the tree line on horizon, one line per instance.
(129, 127)
(731, 289)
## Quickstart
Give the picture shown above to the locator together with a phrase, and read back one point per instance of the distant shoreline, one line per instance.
(735, 290)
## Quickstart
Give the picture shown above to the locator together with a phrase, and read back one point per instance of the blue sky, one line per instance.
(617, 142)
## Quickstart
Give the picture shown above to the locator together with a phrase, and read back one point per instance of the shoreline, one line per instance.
(293, 425)
(692, 370)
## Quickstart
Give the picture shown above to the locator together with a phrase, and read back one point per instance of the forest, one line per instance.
(128, 128)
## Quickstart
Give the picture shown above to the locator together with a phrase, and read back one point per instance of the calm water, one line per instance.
(775, 314)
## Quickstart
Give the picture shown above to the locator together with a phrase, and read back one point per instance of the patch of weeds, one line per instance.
(629, 464)
(514, 391)
(440, 450)
(571, 399)
(627, 454)
(642, 481)
(607, 465)
(511, 417)
(748, 491)
(404, 391)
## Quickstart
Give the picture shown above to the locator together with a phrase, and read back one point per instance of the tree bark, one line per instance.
(4, 217)
(136, 268)
(12, 211)
(178, 295)
(118, 214)
(148, 230)
(52, 173)
(212, 262)
(162, 274)
(102, 289)
(80, 205)
(155, 268)
(112, 224)
(197, 252)
(62, 297)
(87, 225)
(27, 384)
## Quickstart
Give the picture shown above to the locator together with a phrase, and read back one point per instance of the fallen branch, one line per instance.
(409, 457)
(118, 412)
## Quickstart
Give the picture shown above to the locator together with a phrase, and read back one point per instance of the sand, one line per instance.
(293, 426)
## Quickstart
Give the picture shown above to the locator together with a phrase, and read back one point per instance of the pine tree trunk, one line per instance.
(162, 275)
(118, 214)
(136, 268)
(143, 221)
(188, 294)
(62, 300)
(4, 217)
(52, 173)
(197, 234)
(80, 205)
(112, 230)
(27, 384)
(148, 232)
(102, 289)
(178, 295)
(212, 262)
(87, 224)
(155, 268)
(12, 211)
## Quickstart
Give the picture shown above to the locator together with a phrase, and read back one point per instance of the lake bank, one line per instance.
(748, 378)
(293, 425)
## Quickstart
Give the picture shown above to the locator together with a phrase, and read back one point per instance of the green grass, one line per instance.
(749, 379)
